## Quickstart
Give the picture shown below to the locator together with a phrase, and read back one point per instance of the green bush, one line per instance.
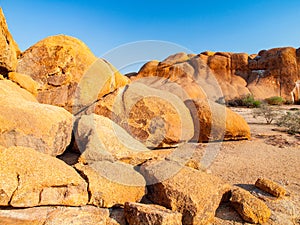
(247, 101)
(275, 100)
(291, 121)
(250, 102)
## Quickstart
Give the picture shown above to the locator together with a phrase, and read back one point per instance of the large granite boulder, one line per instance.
(99, 138)
(9, 49)
(155, 117)
(59, 63)
(29, 178)
(216, 122)
(25, 122)
(191, 192)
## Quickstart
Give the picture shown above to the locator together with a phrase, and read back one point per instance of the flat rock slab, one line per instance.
(87, 215)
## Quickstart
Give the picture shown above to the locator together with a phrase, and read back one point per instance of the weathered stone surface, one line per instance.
(199, 76)
(270, 73)
(117, 217)
(216, 122)
(250, 208)
(112, 184)
(277, 70)
(25, 82)
(270, 187)
(58, 63)
(24, 122)
(296, 92)
(137, 213)
(154, 117)
(191, 192)
(29, 178)
(9, 49)
(87, 215)
(99, 138)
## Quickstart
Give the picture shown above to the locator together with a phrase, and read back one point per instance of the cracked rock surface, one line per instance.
(29, 178)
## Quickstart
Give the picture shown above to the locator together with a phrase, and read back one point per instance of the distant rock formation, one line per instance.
(269, 73)
(296, 92)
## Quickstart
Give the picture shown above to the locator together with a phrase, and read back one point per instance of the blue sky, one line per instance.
(236, 26)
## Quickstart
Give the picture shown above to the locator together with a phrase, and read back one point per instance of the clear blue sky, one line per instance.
(238, 26)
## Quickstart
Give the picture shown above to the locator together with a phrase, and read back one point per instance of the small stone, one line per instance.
(250, 208)
(270, 187)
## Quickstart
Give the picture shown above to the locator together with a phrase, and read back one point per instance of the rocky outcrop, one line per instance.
(155, 117)
(137, 213)
(9, 49)
(25, 122)
(29, 178)
(99, 138)
(191, 192)
(250, 208)
(106, 177)
(59, 63)
(270, 73)
(87, 215)
(215, 122)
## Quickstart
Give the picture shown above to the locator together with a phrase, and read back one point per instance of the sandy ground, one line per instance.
(270, 154)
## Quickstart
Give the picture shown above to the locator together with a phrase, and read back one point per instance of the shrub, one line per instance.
(247, 101)
(290, 120)
(267, 112)
(275, 100)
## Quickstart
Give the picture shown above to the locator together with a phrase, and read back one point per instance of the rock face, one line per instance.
(112, 184)
(58, 63)
(270, 187)
(88, 215)
(29, 178)
(270, 73)
(137, 213)
(9, 49)
(154, 117)
(191, 192)
(25, 122)
(296, 92)
(250, 208)
(99, 138)
(216, 122)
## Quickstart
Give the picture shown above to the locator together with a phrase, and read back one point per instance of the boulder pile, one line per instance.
(82, 144)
